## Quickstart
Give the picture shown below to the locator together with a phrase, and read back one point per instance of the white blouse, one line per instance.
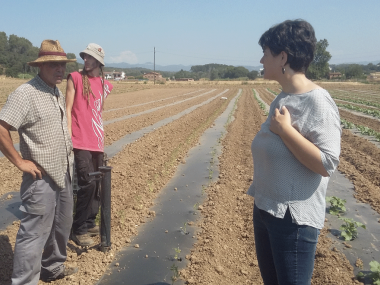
(280, 180)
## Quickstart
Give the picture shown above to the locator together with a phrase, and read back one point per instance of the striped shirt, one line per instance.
(280, 181)
(38, 112)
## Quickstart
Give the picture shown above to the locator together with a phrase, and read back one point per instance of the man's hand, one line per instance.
(31, 168)
(280, 121)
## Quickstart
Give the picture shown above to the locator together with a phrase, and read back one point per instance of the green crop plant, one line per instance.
(271, 91)
(261, 104)
(174, 267)
(203, 189)
(346, 124)
(175, 273)
(362, 102)
(349, 228)
(374, 113)
(363, 129)
(177, 252)
(337, 205)
(183, 228)
(375, 273)
(368, 131)
(210, 172)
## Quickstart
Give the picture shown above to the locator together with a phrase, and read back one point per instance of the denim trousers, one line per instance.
(285, 251)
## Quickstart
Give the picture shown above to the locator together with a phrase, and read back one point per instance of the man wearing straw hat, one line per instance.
(37, 111)
(85, 95)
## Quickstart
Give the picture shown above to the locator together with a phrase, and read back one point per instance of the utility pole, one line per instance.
(154, 65)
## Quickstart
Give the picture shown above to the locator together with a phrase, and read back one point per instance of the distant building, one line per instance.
(154, 76)
(374, 76)
(333, 75)
(114, 75)
(185, 79)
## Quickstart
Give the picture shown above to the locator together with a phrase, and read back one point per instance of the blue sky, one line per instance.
(192, 32)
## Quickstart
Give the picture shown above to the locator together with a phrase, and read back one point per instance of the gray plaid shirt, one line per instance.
(38, 112)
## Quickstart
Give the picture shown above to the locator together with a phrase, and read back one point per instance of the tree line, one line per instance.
(214, 71)
(16, 51)
(320, 68)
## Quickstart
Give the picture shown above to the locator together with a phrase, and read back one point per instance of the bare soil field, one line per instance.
(224, 252)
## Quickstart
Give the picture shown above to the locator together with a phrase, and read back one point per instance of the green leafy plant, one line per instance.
(349, 228)
(372, 112)
(337, 205)
(346, 124)
(375, 275)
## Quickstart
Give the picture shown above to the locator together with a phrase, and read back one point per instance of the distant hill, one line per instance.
(170, 68)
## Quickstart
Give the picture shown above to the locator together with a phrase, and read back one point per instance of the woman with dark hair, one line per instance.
(294, 154)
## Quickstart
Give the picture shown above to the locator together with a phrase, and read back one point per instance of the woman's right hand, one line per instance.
(280, 121)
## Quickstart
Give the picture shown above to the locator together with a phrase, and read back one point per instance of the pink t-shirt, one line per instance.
(86, 119)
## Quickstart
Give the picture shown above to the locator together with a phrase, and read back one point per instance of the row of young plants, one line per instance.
(373, 113)
(357, 101)
(358, 93)
(261, 103)
(363, 129)
(349, 232)
(273, 92)
(356, 96)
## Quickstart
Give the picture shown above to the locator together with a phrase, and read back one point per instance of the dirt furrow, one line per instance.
(116, 101)
(138, 97)
(359, 120)
(360, 162)
(119, 129)
(156, 102)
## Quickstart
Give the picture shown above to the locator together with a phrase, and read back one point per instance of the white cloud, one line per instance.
(125, 56)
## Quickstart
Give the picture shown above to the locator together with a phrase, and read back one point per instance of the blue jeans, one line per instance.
(285, 251)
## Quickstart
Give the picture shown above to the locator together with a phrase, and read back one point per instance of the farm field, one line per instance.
(224, 251)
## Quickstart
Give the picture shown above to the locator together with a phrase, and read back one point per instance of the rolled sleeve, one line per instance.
(325, 133)
(15, 110)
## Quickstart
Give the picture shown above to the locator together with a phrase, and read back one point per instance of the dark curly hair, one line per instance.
(296, 38)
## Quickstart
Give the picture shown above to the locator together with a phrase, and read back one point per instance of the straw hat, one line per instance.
(50, 51)
(95, 51)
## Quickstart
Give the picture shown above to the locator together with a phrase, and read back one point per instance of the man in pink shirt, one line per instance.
(85, 95)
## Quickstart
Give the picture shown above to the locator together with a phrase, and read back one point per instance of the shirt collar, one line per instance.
(54, 91)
